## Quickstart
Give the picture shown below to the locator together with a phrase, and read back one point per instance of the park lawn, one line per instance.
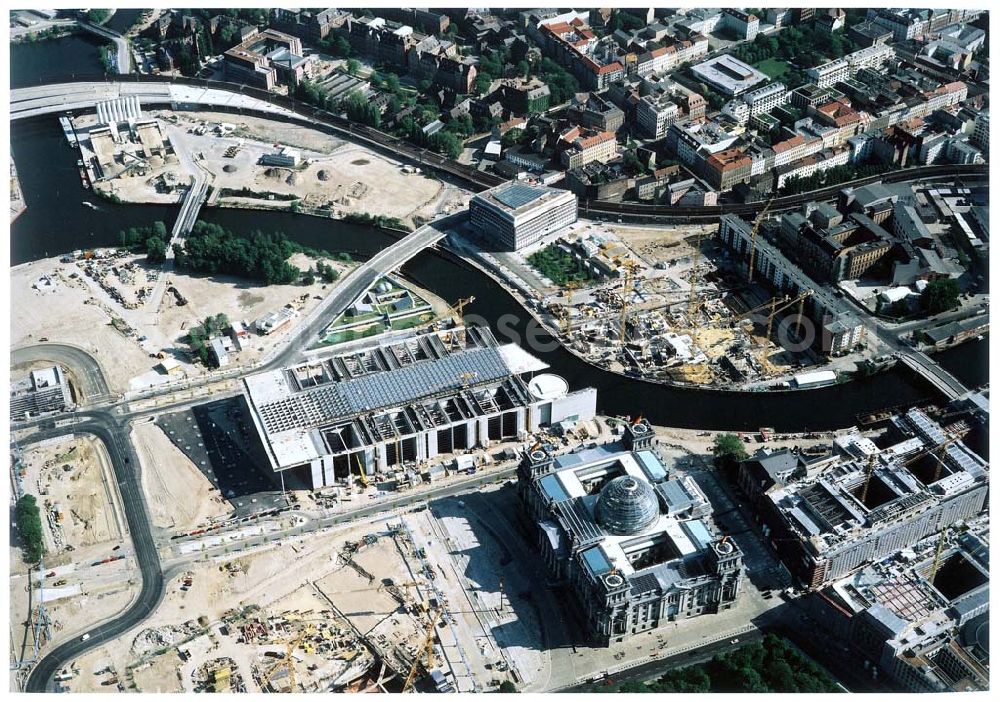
(774, 68)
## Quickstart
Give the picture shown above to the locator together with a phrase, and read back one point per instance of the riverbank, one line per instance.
(17, 203)
(316, 173)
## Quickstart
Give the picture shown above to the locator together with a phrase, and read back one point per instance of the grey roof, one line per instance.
(518, 195)
(887, 618)
(675, 496)
(380, 390)
(577, 518)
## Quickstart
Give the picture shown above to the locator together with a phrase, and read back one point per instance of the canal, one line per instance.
(58, 221)
(49, 60)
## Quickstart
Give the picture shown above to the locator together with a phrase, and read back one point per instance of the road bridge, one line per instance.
(55, 98)
(123, 62)
(943, 381)
(353, 285)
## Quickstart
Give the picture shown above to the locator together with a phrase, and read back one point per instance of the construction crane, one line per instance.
(936, 563)
(630, 268)
(361, 470)
(801, 299)
(288, 662)
(868, 477)
(461, 304)
(753, 238)
(427, 647)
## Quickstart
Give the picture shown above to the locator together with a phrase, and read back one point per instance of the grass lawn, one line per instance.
(772, 67)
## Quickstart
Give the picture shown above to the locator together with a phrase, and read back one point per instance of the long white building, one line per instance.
(517, 214)
(386, 408)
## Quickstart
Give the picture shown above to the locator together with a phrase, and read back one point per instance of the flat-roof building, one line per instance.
(862, 511)
(383, 407)
(43, 392)
(517, 214)
(727, 73)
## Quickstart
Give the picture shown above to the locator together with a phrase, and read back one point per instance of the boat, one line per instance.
(68, 131)
(89, 204)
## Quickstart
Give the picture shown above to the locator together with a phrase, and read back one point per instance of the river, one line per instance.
(56, 221)
(53, 59)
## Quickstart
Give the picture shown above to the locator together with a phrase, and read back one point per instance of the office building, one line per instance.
(517, 214)
(267, 59)
(728, 74)
(43, 392)
(876, 503)
(386, 407)
(655, 114)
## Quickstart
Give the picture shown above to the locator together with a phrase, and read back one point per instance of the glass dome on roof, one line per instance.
(627, 506)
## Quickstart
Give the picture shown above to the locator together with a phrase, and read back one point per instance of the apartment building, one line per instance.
(829, 73)
(744, 25)
(587, 146)
(765, 99)
(655, 114)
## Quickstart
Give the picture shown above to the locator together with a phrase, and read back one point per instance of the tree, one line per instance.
(353, 66)
(156, 250)
(507, 686)
(728, 450)
(29, 528)
(98, 16)
(511, 137)
(940, 295)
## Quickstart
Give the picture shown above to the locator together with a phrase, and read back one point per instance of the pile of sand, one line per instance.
(229, 168)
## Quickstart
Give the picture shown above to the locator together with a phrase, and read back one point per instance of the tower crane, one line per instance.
(936, 563)
(753, 238)
(630, 268)
(288, 662)
(427, 647)
(868, 477)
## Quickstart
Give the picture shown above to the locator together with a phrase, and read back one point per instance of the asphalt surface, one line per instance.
(114, 434)
(86, 368)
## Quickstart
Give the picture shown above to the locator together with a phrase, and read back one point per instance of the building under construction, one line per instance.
(404, 404)
(626, 539)
(922, 618)
(875, 502)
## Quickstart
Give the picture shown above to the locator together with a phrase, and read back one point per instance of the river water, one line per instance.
(57, 221)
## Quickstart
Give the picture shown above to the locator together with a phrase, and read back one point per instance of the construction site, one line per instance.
(367, 615)
(88, 573)
(667, 304)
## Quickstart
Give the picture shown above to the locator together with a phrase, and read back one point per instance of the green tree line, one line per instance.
(29, 528)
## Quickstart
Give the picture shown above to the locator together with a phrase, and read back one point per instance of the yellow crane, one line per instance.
(361, 470)
(630, 269)
(461, 304)
(936, 563)
(426, 647)
(753, 238)
(801, 299)
(288, 662)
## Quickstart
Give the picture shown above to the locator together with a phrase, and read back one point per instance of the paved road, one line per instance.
(349, 288)
(85, 368)
(656, 668)
(114, 434)
(123, 58)
(60, 97)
